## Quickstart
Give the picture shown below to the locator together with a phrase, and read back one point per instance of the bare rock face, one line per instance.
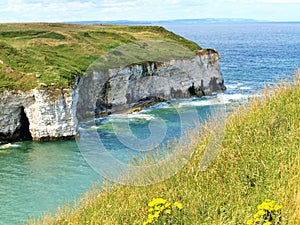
(37, 115)
(112, 90)
(49, 115)
(12, 110)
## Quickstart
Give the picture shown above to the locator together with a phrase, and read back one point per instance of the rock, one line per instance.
(43, 115)
(49, 117)
(115, 90)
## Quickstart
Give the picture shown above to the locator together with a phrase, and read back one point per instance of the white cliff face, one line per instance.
(49, 116)
(108, 91)
(10, 112)
(52, 115)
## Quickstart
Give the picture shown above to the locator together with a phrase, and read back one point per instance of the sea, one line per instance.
(38, 178)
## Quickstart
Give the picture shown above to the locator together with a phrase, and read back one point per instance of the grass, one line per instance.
(53, 54)
(259, 159)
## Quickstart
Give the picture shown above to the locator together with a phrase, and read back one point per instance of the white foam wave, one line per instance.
(245, 88)
(131, 116)
(220, 99)
(231, 86)
(213, 101)
(227, 98)
(160, 105)
(237, 86)
(9, 145)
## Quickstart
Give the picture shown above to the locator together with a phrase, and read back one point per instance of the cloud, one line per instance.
(19, 6)
(118, 4)
(80, 10)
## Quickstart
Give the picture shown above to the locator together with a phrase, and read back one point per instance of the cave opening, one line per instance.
(24, 132)
(192, 90)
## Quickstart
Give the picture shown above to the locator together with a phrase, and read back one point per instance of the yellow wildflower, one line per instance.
(156, 215)
(149, 220)
(256, 220)
(156, 208)
(259, 213)
(178, 205)
(249, 222)
(150, 210)
(168, 211)
(150, 217)
(159, 201)
(278, 207)
(151, 204)
(267, 223)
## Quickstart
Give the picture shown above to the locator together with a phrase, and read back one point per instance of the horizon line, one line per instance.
(204, 20)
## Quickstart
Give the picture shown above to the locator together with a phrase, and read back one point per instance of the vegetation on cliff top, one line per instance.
(259, 159)
(52, 54)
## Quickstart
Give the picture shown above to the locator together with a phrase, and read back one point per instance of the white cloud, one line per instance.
(18, 6)
(118, 4)
(68, 6)
(114, 6)
(80, 10)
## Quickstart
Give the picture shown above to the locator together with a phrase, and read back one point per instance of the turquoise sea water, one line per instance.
(39, 177)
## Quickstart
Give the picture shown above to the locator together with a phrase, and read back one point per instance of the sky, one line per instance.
(107, 10)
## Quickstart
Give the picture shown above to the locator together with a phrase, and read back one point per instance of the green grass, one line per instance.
(54, 54)
(259, 159)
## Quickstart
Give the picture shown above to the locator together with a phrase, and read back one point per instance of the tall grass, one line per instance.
(259, 159)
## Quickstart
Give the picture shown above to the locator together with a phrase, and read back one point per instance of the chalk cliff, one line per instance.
(38, 114)
(49, 115)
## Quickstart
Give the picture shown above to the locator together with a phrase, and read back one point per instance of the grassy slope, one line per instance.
(55, 53)
(259, 159)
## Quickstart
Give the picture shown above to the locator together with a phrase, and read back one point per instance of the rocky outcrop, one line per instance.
(114, 90)
(38, 115)
(48, 115)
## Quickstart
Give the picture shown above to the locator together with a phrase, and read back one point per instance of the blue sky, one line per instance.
(84, 10)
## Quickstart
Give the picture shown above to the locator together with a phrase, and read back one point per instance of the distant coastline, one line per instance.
(178, 21)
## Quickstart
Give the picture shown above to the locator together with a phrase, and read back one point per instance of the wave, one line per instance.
(219, 99)
(9, 145)
(145, 114)
(132, 116)
(227, 98)
(234, 86)
(209, 102)
(160, 105)
(238, 86)
(245, 88)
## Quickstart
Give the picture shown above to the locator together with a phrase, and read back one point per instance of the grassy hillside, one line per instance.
(259, 159)
(53, 54)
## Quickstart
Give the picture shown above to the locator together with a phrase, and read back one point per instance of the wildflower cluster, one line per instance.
(160, 207)
(268, 213)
